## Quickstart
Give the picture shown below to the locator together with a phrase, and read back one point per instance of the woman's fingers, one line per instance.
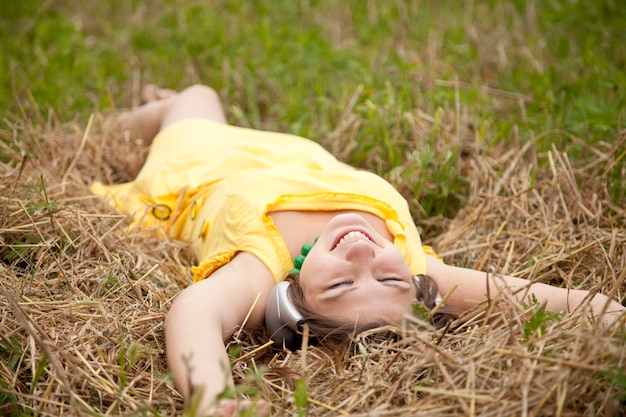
(230, 408)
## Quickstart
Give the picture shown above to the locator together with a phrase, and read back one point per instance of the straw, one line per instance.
(84, 299)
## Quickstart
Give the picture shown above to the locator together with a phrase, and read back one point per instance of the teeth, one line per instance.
(351, 235)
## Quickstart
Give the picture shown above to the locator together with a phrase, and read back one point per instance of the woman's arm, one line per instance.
(207, 314)
(470, 287)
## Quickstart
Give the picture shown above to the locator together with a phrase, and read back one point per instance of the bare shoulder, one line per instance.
(250, 273)
(237, 290)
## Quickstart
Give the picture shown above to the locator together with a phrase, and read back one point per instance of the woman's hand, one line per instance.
(228, 407)
(614, 312)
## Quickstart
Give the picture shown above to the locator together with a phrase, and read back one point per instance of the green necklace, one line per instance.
(299, 260)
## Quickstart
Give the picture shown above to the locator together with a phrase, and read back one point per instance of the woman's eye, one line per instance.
(339, 284)
(389, 279)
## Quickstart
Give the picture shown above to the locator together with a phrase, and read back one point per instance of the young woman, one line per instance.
(248, 202)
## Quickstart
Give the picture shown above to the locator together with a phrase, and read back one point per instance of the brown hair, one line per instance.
(323, 327)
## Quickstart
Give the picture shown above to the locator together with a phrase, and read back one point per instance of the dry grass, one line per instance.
(83, 300)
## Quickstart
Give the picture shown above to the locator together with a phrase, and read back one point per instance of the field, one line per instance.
(501, 122)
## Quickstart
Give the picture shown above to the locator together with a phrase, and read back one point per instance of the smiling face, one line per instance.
(355, 275)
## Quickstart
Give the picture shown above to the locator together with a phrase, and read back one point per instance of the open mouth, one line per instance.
(351, 235)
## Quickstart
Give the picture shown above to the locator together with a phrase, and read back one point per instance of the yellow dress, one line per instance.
(213, 185)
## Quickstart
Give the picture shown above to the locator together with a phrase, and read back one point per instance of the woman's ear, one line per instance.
(282, 319)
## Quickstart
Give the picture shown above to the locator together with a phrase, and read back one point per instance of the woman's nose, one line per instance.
(361, 251)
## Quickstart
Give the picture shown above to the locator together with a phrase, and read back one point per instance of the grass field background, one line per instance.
(416, 91)
(517, 71)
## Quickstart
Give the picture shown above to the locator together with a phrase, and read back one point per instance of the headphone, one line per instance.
(282, 319)
(284, 322)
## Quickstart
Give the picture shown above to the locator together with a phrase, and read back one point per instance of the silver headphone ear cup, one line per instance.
(416, 278)
(282, 319)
